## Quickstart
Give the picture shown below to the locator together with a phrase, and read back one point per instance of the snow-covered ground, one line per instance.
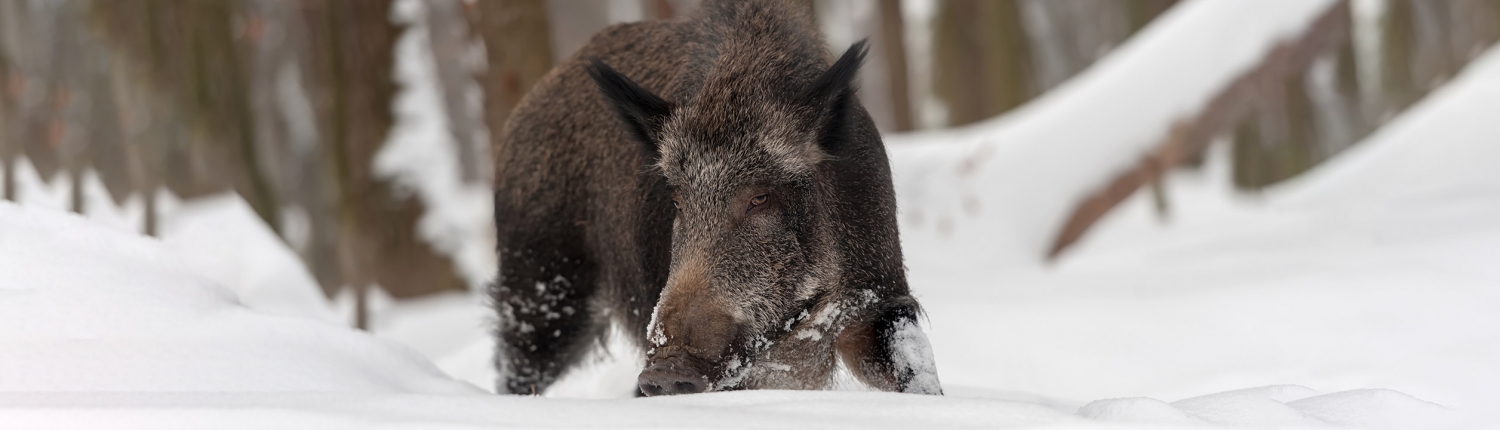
(100, 328)
(85, 308)
(1364, 293)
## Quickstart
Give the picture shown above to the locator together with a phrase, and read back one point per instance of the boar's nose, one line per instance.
(668, 379)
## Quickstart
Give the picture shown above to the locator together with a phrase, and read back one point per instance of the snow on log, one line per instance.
(1005, 190)
(1188, 138)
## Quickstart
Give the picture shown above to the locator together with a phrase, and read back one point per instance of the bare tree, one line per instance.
(517, 41)
(892, 43)
(192, 55)
(983, 60)
(351, 47)
(455, 51)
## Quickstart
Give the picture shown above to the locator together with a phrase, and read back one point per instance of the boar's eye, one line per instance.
(759, 200)
(676, 204)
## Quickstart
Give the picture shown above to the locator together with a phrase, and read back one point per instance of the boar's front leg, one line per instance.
(542, 298)
(886, 349)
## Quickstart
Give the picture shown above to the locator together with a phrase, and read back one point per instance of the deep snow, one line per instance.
(86, 308)
(135, 339)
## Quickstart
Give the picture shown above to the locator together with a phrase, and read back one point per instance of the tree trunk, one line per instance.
(351, 46)
(193, 54)
(983, 62)
(517, 40)
(453, 43)
(893, 40)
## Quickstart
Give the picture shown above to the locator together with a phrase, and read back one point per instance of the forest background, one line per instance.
(375, 169)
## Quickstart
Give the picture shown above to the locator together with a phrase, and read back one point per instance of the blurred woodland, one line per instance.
(288, 102)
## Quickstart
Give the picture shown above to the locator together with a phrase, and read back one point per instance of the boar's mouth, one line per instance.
(672, 370)
(697, 350)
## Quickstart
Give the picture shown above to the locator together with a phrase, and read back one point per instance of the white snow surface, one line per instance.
(133, 339)
(40, 192)
(218, 237)
(90, 309)
(222, 238)
(1361, 294)
(1377, 269)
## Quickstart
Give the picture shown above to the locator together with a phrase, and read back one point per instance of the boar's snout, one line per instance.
(671, 376)
(692, 335)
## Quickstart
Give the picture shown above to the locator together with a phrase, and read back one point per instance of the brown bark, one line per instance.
(518, 43)
(1141, 12)
(1278, 141)
(8, 150)
(893, 43)
(191, 53)
(983, 62)
(351, 50)
(453, 41)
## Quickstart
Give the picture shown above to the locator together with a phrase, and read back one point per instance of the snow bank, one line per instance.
(218, 237)
(726, 410)
(38, 192)
(223, 239)
(100, 328)
(86, 308)
(1279, 406)
(1374, 270)
(999, 191)
(761, 409)
(100, 206)
(452, 329)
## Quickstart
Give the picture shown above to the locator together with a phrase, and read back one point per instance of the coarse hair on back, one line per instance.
(760, 42)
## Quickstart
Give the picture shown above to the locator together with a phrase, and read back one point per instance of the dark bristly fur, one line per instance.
(836, 87)
(712, 186)
(638, 108)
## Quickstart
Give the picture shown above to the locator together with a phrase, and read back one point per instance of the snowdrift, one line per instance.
(100, 328)
(86, 308)
(1374, 270)
(222, 238)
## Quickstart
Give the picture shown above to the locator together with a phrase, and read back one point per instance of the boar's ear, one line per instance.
(832, 95)
(642, 112)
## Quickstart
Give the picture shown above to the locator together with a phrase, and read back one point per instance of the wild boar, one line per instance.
(713, 186)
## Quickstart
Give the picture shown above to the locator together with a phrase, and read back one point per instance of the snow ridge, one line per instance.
(1278, 406)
